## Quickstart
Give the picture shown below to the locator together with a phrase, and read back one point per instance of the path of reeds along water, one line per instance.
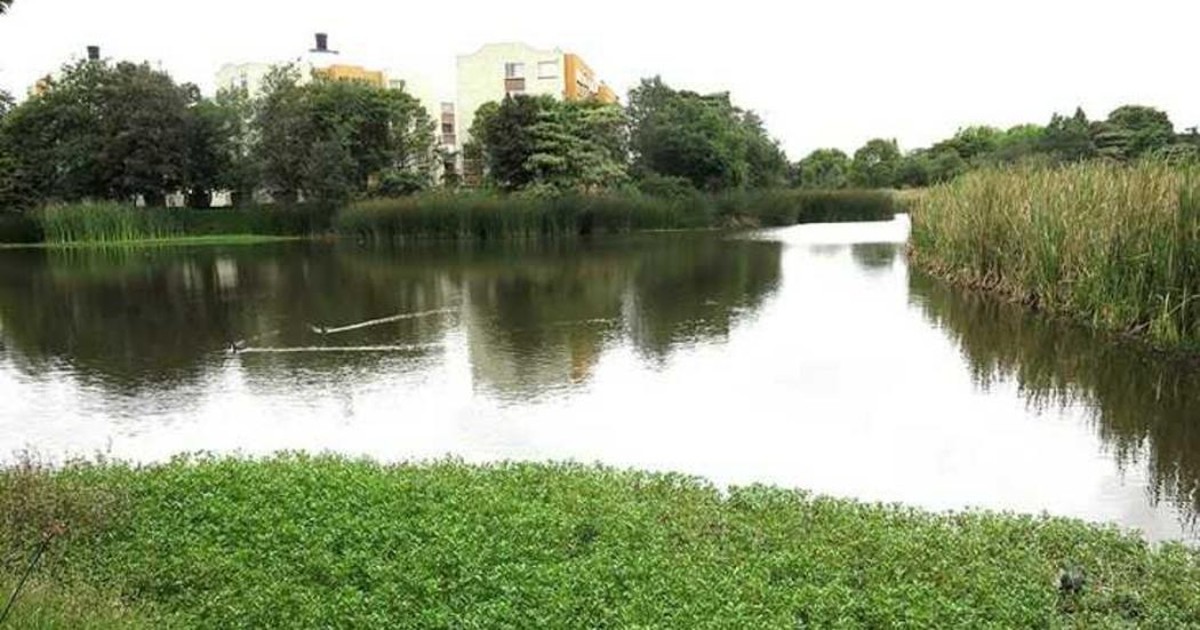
(491, 217)
(1117, 247)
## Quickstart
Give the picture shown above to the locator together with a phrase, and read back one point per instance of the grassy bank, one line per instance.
(115, 224)
(490, 217)
(446, 216)
(308, 542)
(1116, 247)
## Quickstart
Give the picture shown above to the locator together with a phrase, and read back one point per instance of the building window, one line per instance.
(447, 108)
(514, 70)
(447, 127)
(514, 86)
(547, 69)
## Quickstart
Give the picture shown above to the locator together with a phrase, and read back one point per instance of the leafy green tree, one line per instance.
(283, 134)
(914, 170)
(1068, 139)
(945, 165)
(1018, 144)
(973, 144)
(505, 136)
(330, 140)
(766, 162)
(875, 164)
(1133, 131)
(823, 169)
(578, 146)
(701, 138)
(101, 131)
(539, 142)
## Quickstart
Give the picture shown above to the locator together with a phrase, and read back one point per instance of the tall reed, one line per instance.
(113, 223)
(483, 216)
(1115, 246)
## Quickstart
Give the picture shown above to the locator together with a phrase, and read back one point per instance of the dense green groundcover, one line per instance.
(301, 541)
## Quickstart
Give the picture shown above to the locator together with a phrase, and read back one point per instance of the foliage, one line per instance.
(826, 169)
(702, 138)
(557, 146)
(298, 540)
(1115, 246)
(326, 139)
(101, 131)
(875, 165)
(484, 217)
(111, 223)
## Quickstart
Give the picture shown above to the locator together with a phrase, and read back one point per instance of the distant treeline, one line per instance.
(1129, 133)
(103, 131)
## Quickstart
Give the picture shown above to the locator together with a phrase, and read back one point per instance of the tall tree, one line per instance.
(1133, 131)
(701, 138)
(823, 169)
(875, 164)
(1068, 139)
(101, 131)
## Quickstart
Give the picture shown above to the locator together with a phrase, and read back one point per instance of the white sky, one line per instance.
(827, 73)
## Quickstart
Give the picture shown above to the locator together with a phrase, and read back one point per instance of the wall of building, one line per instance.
(481, 77)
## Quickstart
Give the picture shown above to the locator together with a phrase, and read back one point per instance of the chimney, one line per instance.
(322, 43)
(93, 53)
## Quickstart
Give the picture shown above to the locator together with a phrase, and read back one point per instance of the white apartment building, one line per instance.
(496, 70)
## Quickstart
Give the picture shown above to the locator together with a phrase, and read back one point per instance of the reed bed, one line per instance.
(484, 217)
(115, 224)
(1117, 247)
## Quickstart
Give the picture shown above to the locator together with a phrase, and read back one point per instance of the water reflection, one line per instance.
(1145, 409)
(535, 317)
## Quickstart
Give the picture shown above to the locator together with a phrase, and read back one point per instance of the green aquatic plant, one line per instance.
(297, 540)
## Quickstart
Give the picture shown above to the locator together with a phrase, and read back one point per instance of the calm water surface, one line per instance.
(807, 357)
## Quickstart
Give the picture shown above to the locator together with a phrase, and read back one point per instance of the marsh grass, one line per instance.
(109, 224)
(1114, 246)
(491, 217)
(298, 541)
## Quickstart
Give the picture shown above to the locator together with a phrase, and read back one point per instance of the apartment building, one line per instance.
(488, 74)
(497, 70)
(319, 60)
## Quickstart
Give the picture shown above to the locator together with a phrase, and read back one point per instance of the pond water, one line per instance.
(808, 357)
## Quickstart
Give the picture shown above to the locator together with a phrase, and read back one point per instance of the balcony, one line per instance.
(514, 86)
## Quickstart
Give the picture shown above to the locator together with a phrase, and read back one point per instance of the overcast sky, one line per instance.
(828, 73)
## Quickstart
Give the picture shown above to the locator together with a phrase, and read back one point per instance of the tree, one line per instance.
(701, 138)
(973, 144)
(329, 140)
(914, 170)
(578, 146)
(875, 164)
(945, 165)
(1133, 131)
(101, 131)
(283, 133)
(505, 134)
(5, 5)
(823, 169)
(1068, 139)
(766, 162)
